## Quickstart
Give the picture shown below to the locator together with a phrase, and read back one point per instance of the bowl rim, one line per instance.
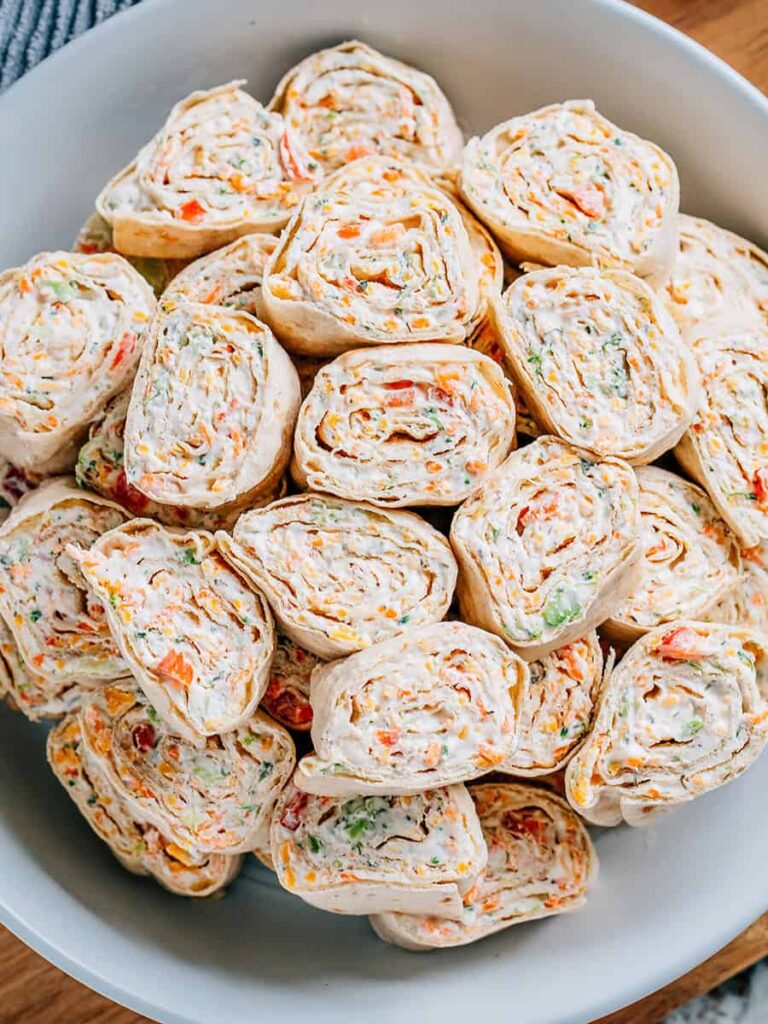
(691, 954)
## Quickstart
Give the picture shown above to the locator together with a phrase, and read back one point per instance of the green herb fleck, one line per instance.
(63, 290)
(535, 360)
(562, 607)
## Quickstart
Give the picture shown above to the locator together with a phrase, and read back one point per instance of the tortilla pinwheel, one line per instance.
(351, 101)
(212, 409)
(409, 425)
(559, 709)
(369, 854)
(71, 331)
(684, 711)
(540, 862)
(230, 276)
(726, 447)
(598, 360)
(690, 561)
(548, 546)
(437, 705)
(341, 575)
(140, 848)
(562, 185)
(197, 638)
(100, 467)
(220, 167)
(211, 800)
(58, 624)
(377, 255)
(719, 282)
(24, 690)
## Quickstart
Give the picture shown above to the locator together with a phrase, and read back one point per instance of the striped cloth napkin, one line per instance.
(31, 29)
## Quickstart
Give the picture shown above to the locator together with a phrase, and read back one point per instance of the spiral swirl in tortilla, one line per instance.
(540, 862)
(684, 711)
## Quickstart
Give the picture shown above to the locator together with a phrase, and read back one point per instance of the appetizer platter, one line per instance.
(387, 508)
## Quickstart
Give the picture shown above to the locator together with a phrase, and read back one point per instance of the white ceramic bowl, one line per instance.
(667, 896)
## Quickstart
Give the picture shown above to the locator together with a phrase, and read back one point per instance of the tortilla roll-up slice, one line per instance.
(212, 410)
(598, 360)
(100, 467)
(562, 185)
(559, 708)
(230, 276)
(212, 800)
(351, 101)
(71, 330)
(220, 167)
(541, 862)
(197, 638)
(340, 575)
(227, 277)
(690, 560)
(411, 425)
(719, 282)
(747, 603)
(726, 447)
(57, 623)
(684, 712)
(96, 236)
(548, 546)
(140, 848)
(437, 705)
(287, 695)
(377, 255)
(35, 696)
(370, 854)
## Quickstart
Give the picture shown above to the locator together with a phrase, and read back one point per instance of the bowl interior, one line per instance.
(668, 895)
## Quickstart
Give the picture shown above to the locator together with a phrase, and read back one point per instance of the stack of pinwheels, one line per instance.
(444, 464)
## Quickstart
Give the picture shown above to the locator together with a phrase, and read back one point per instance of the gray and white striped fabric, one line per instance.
(31, 29)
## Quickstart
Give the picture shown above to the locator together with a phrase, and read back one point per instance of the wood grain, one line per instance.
(736, 30)
(33, 992)
(747, 949)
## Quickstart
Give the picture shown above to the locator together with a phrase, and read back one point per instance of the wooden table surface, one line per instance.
(34, 992)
